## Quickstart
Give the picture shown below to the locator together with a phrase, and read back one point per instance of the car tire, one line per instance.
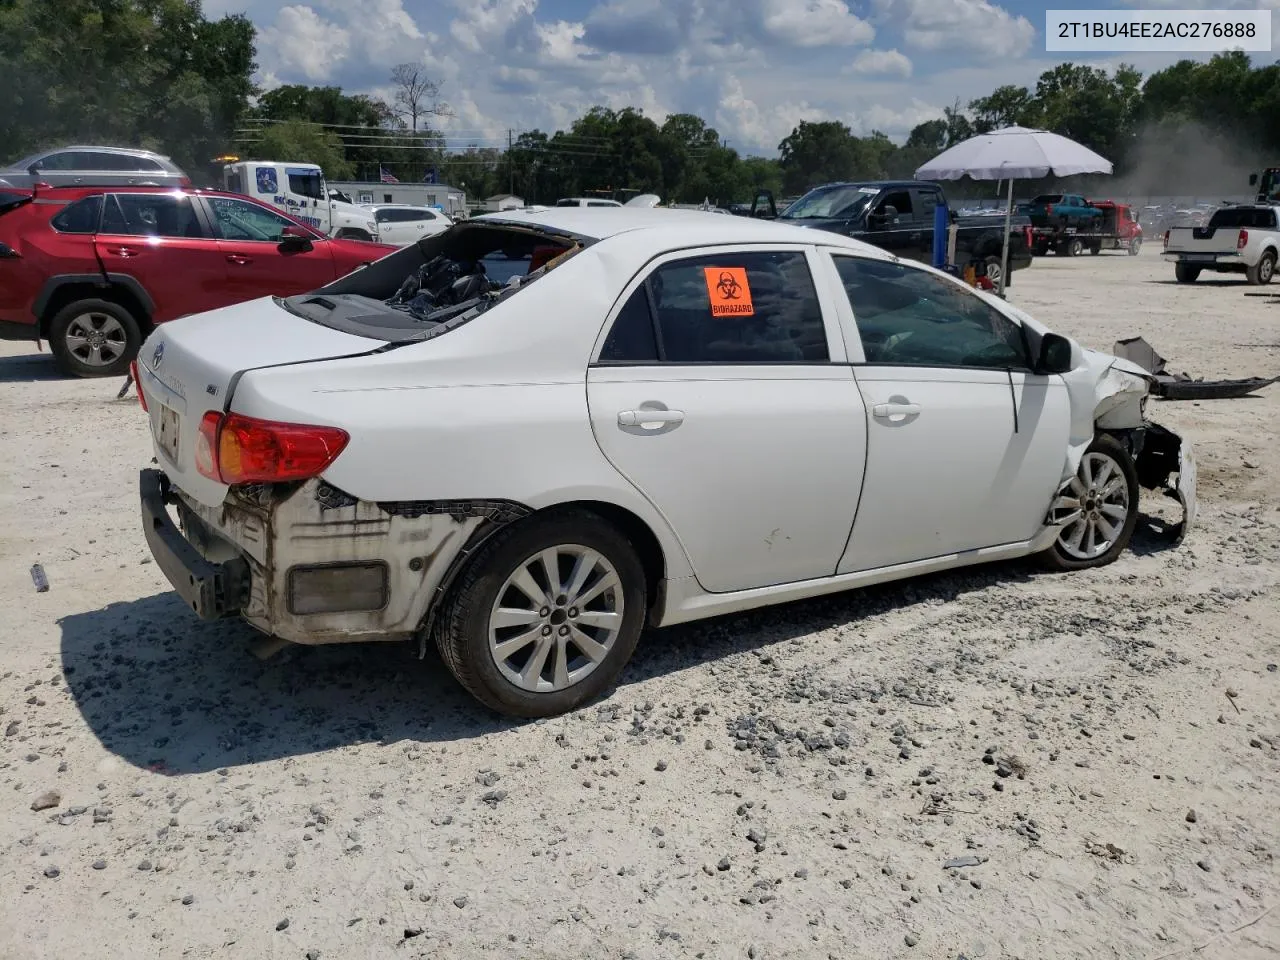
(1185, 273)
(1106, 481)
(1095, 248)
(471, 635)
(1261, 272)
(94, 338)
(994, 262)
(349, 233)
(1135, 246)
(1075, 248)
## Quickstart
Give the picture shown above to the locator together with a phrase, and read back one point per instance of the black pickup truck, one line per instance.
(897, 215)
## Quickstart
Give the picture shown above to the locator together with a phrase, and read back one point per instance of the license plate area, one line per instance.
(1200, 257)
(167, 432)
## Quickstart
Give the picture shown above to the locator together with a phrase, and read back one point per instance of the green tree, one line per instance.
(297, 141)
(1005, 106)
(817, 152)
(151, 73)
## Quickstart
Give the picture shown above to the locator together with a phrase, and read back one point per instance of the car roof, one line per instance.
(95, 148)
(671, 229)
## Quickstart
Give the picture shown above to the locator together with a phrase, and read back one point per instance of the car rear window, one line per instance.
(1258, 218)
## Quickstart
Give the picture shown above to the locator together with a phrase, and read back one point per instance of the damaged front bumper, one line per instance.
(1165, 461)
(309, 563)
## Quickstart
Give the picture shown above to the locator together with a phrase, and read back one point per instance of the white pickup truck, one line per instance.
(1237, 239)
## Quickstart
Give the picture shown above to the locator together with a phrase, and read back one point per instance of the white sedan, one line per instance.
(529, 437)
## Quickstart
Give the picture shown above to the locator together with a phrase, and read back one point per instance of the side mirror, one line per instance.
(1055, 354)
(294, 240)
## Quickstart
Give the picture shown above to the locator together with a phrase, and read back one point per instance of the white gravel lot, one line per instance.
(1103, 747)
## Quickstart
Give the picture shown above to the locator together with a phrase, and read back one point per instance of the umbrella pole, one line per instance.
(1004, 251)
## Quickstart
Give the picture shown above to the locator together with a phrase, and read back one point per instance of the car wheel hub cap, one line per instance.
(1093, 508)
(96, 339)
(556, 618)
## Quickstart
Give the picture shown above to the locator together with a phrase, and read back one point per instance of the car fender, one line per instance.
(53, 284)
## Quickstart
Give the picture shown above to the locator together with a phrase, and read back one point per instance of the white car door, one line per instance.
(720, 392)
(392, 227)
(965, 444)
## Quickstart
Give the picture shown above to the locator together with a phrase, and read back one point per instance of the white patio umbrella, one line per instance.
(1013, 153)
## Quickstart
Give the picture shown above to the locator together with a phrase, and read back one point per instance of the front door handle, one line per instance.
(239, 259)
(883, 410)
(635, 418)
(123, 251)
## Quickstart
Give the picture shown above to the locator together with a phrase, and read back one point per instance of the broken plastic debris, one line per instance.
(39, 579)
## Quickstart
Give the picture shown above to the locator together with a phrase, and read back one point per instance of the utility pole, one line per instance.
(511, 164)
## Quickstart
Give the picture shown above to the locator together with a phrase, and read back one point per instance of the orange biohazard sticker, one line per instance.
(729, 292)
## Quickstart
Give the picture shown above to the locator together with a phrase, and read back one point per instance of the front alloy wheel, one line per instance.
(1097, 510)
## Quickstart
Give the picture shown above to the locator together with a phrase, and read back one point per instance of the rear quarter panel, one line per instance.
(43, 254)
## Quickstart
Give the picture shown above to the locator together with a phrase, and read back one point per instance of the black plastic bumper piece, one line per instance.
(12, 330)
(212, 590)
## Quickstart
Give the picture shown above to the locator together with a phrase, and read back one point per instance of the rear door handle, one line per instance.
(239, 259)
(883, 410)
(123, 251)
(633, 418)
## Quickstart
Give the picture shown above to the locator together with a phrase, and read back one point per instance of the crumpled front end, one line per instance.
(1109, 395)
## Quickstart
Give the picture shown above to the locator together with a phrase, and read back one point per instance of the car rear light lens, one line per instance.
(207, 445)
(1242, 239)
(137, 384)
(235, 449)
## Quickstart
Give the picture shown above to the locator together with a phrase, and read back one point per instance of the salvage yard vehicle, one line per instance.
(94, 270)
(1063, 210)
(299, 191)
(88, 166)
(1117, 229)
(661, 416)
(898, 216)
(1237, 239)
(400, 224)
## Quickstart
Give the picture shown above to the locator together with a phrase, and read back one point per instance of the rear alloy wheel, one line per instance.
(1097, 510)
(994, 270)
(1185, 273)
(1135, 245)
(94, 338)
(1262, 271)
(545, 616)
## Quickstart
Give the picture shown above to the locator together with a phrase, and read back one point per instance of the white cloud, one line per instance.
(972, 26)
(303, 43)
(894, 122)
(879, 62)
(815, 23)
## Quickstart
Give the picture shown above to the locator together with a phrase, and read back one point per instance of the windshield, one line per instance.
(843, 201)
(434, 286)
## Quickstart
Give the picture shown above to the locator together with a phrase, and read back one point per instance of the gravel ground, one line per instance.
(995, 763)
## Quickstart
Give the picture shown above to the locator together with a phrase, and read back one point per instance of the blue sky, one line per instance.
(751, 68)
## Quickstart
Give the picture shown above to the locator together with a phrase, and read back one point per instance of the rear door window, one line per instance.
(753, 307)
(151, 215)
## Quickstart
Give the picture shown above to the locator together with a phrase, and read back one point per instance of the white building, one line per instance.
(442, 196)
(503, 201)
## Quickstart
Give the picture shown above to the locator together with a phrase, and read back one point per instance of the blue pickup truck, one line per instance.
(1063, 210)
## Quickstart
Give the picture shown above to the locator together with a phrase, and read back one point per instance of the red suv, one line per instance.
(93, 269)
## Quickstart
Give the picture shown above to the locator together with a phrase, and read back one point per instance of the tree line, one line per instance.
(186, 88)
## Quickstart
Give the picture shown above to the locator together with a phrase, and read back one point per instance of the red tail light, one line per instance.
(1048, 209)
(137, 384)
(236, 449)
(1166, 239)
(1242, 239)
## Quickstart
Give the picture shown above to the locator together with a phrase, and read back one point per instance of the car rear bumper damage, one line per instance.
(311, 564)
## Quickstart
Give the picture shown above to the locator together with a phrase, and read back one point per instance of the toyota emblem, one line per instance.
(157, 356)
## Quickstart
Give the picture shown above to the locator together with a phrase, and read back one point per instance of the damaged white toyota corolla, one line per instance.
(530, 436)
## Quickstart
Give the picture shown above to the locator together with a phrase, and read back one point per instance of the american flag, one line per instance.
(386, 176)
